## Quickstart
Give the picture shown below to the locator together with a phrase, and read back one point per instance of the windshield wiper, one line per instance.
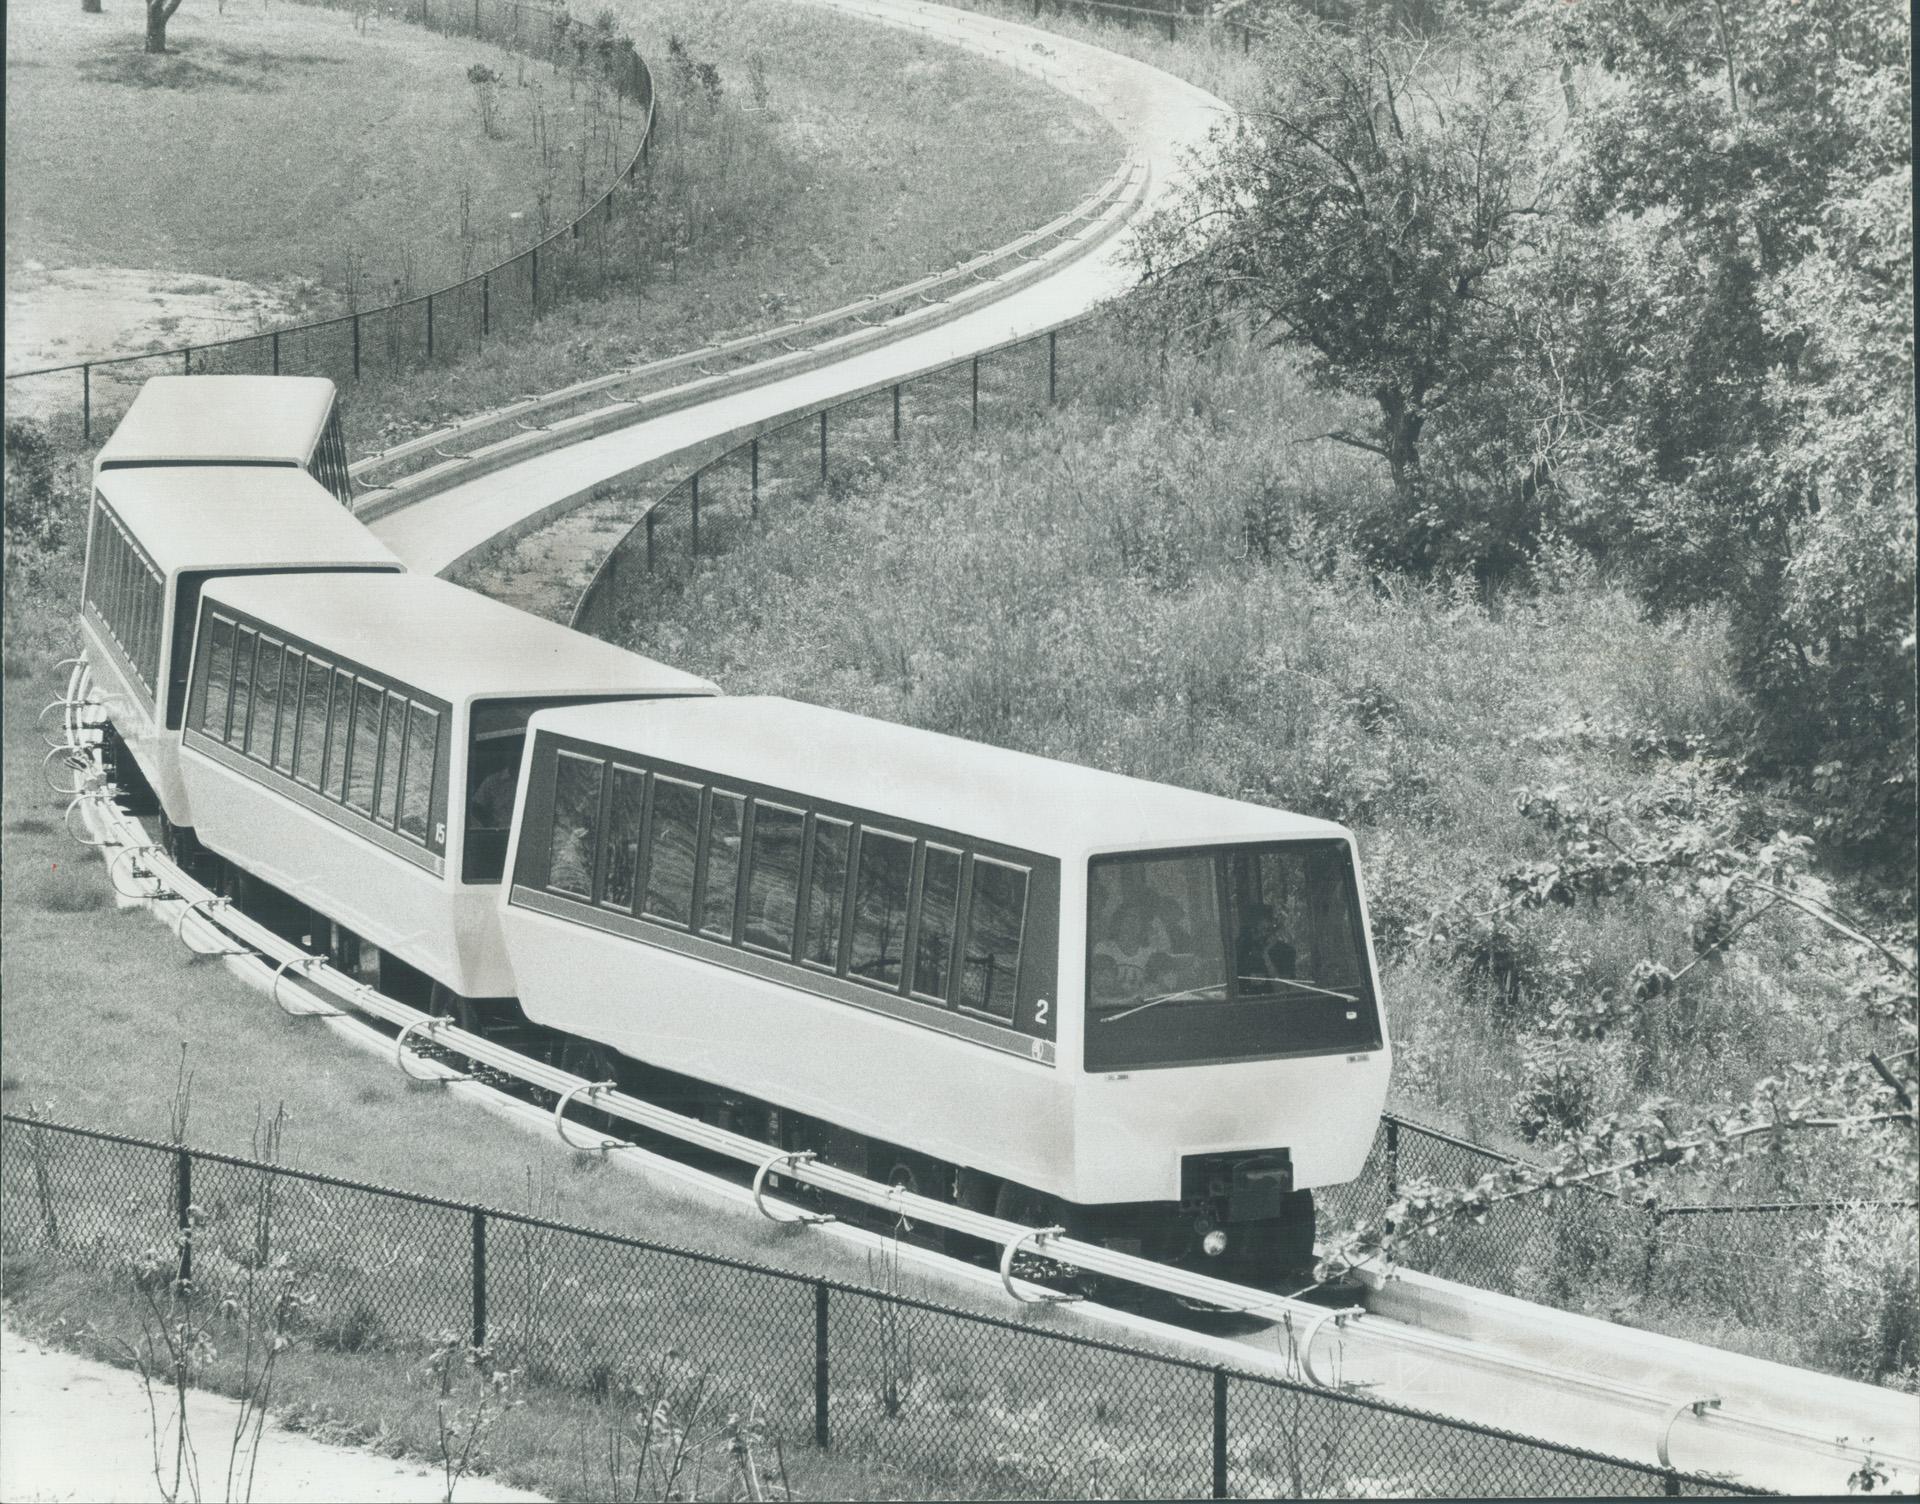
(1345, 997)
(1186, 994)
(1189, 994)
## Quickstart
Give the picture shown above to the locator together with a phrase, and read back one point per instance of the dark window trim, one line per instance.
(1036, 1011)
(245, 625)
(1005, 1038)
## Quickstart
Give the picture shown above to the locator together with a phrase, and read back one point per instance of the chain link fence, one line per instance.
(583, 256)
(966, 1404)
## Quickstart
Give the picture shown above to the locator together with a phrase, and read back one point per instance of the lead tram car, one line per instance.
(1066, 997)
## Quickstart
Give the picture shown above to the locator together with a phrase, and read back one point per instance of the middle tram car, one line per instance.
(353, 742)
(1048, 992)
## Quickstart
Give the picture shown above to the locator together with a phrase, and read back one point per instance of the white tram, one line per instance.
(155, 539)
(354, 741)
(288, 422)
(1048, 991)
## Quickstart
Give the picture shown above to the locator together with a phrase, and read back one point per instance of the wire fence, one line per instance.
(961, 1403)
(582, 256)
(699, 513)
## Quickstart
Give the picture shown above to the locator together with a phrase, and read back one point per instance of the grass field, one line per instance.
(271, 145)
(807, 180)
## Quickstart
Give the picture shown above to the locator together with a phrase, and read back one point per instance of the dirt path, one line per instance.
(71, 1428)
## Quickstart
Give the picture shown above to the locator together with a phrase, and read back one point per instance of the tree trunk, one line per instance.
(1401, 430)
(90, 7)
(157, 18)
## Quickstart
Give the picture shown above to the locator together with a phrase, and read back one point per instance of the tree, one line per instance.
(1750, 164)
(90, 7)
(1366, 211)
(159, 12)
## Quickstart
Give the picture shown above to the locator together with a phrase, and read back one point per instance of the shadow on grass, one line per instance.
(229, 68)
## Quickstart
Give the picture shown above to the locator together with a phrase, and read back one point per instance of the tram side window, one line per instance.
(333, 781)
(266, 701)
(939, 896)
(363, 754)
(576, 820)
(391, 742)
(726, 818)
(213, 713)
(312, 750)
(773, 877)
(673, 841)
(826, 892)
(625, 806)
(126, 592)
(883, 877)
(246, 644)
(329, 462)
(289, 711)
(416, 789)
(996, 920)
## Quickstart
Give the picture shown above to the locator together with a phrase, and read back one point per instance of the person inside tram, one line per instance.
(1138, 953)
(1263, 955)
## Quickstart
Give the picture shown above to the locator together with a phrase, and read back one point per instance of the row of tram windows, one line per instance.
(912, 916)
(365, 743)
(127, 593)
(329, 462)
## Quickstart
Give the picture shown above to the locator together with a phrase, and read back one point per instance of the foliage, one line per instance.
(1370, 209)
(1752, 436)
(1636, 276)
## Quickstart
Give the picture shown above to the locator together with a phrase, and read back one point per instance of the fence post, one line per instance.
(476, 17)
(276, 352)
(1393, 1158)
(1173, 28)
(86, 404)
(534, 301)
(695, 549)
(1053, 365)
(356, 347)
(1653, 1249)
(429, 326)
(186, 361)
(486, 304)
(822, 1432)
(652, 512)
(1219, 1433)
(183, 1208)
(976, 392)
(823, 444)
(896, 412)
(479, 1278)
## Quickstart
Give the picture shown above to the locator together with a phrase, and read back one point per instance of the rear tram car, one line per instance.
(1052, 993)
(353, 743)
(280, 422)
(156, 538)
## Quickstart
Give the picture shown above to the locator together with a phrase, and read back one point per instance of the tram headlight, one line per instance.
(1214, 1243)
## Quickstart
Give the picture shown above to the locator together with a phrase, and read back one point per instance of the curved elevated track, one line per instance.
(1421, 1342)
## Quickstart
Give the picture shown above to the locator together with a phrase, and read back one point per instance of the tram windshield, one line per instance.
(1233, 953)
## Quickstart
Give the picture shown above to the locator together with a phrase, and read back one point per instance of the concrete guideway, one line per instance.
(1163, 119)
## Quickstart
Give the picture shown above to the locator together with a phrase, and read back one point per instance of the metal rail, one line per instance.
(248, 943)
(1077, 231)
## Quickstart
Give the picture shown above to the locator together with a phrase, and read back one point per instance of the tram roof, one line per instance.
(230, 517)
(1037, 803)
(447, 640)
(185, 420)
